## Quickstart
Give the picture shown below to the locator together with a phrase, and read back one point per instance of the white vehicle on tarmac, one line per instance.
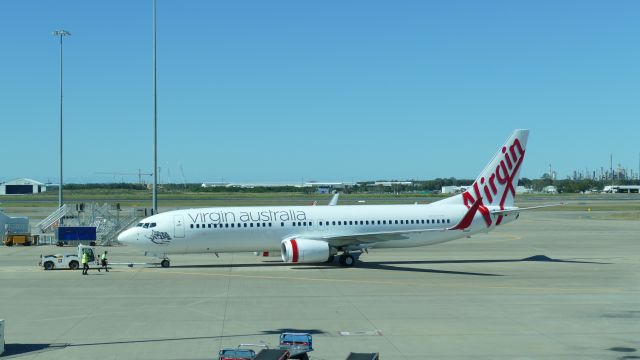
(66, 261)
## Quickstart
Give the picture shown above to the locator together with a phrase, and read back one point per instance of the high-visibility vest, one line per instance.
(104, 256)
(85, 258)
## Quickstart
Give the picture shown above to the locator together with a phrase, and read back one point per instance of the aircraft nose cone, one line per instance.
(128, 236)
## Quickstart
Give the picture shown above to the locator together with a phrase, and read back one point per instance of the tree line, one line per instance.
(416, 186)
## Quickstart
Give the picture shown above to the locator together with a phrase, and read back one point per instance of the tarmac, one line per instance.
(552, 285)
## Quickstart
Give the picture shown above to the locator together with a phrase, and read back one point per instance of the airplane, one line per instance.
(316, 234)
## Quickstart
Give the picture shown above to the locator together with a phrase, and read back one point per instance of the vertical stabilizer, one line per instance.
(496, 184)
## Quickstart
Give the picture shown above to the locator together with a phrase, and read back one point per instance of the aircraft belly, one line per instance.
(235, 242)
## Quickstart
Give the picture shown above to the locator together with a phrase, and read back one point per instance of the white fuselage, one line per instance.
(239, 229)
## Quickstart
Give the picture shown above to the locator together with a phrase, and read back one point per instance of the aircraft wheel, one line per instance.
(165, 263)
(347, 260)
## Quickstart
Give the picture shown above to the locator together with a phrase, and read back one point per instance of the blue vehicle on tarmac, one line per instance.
(298, 344)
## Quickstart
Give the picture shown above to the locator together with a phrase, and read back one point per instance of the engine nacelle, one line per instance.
(304, 251)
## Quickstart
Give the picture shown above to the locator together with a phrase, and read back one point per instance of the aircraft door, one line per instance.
(178, 226)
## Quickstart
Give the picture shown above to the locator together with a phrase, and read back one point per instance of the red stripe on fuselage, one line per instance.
(294, 250)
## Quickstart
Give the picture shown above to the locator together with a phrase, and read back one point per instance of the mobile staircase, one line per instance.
(48, 223)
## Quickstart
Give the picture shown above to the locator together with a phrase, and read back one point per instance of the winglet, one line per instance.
(334, 199)
(468, 217)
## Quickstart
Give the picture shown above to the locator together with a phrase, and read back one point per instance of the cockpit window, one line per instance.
(152, 225)
(146, 225)
(139, 225)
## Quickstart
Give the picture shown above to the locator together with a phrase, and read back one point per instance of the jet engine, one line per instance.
(304, 251)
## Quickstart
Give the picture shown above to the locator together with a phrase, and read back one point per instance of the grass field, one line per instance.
(628, 205)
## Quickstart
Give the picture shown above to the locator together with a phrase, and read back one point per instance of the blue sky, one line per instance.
(318, 90)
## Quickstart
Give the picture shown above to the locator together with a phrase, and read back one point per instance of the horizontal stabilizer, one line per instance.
(507, 211)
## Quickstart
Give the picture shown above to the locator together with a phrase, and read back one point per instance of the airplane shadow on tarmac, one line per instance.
(394, 265)
(17, 350)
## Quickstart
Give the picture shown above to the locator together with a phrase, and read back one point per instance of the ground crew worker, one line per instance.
(103, 261)
(85, 263)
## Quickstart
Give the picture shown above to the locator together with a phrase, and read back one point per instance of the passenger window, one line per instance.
(245, 224)
(209, 226)
(304, 223)
(366, 222)
(293, 224)
(215, 226)
(251, 225)
(257, 224)
(299, 223)
(320, 223)
(402, 222)
(350, 222)
(226, 225)
(339, 222)
(333, 222)
(411, 221)
(361, 222)
(192, 226)
(269, 224)
(310, 223)
(281, 224)
(396, 222)
(232, 225)
(448, 221)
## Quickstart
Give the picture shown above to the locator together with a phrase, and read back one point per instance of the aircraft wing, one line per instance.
(373, 237)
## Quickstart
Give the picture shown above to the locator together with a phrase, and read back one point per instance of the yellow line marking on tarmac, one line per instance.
(508, 236)
(393, 282)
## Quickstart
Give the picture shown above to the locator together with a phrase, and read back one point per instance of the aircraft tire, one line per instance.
(347, 260)
(165, 263)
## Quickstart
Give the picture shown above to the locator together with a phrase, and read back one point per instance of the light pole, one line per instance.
(154, 200)
(60, 34)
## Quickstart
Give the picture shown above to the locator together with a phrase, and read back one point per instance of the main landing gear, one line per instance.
(165, 263)
(347, 260)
